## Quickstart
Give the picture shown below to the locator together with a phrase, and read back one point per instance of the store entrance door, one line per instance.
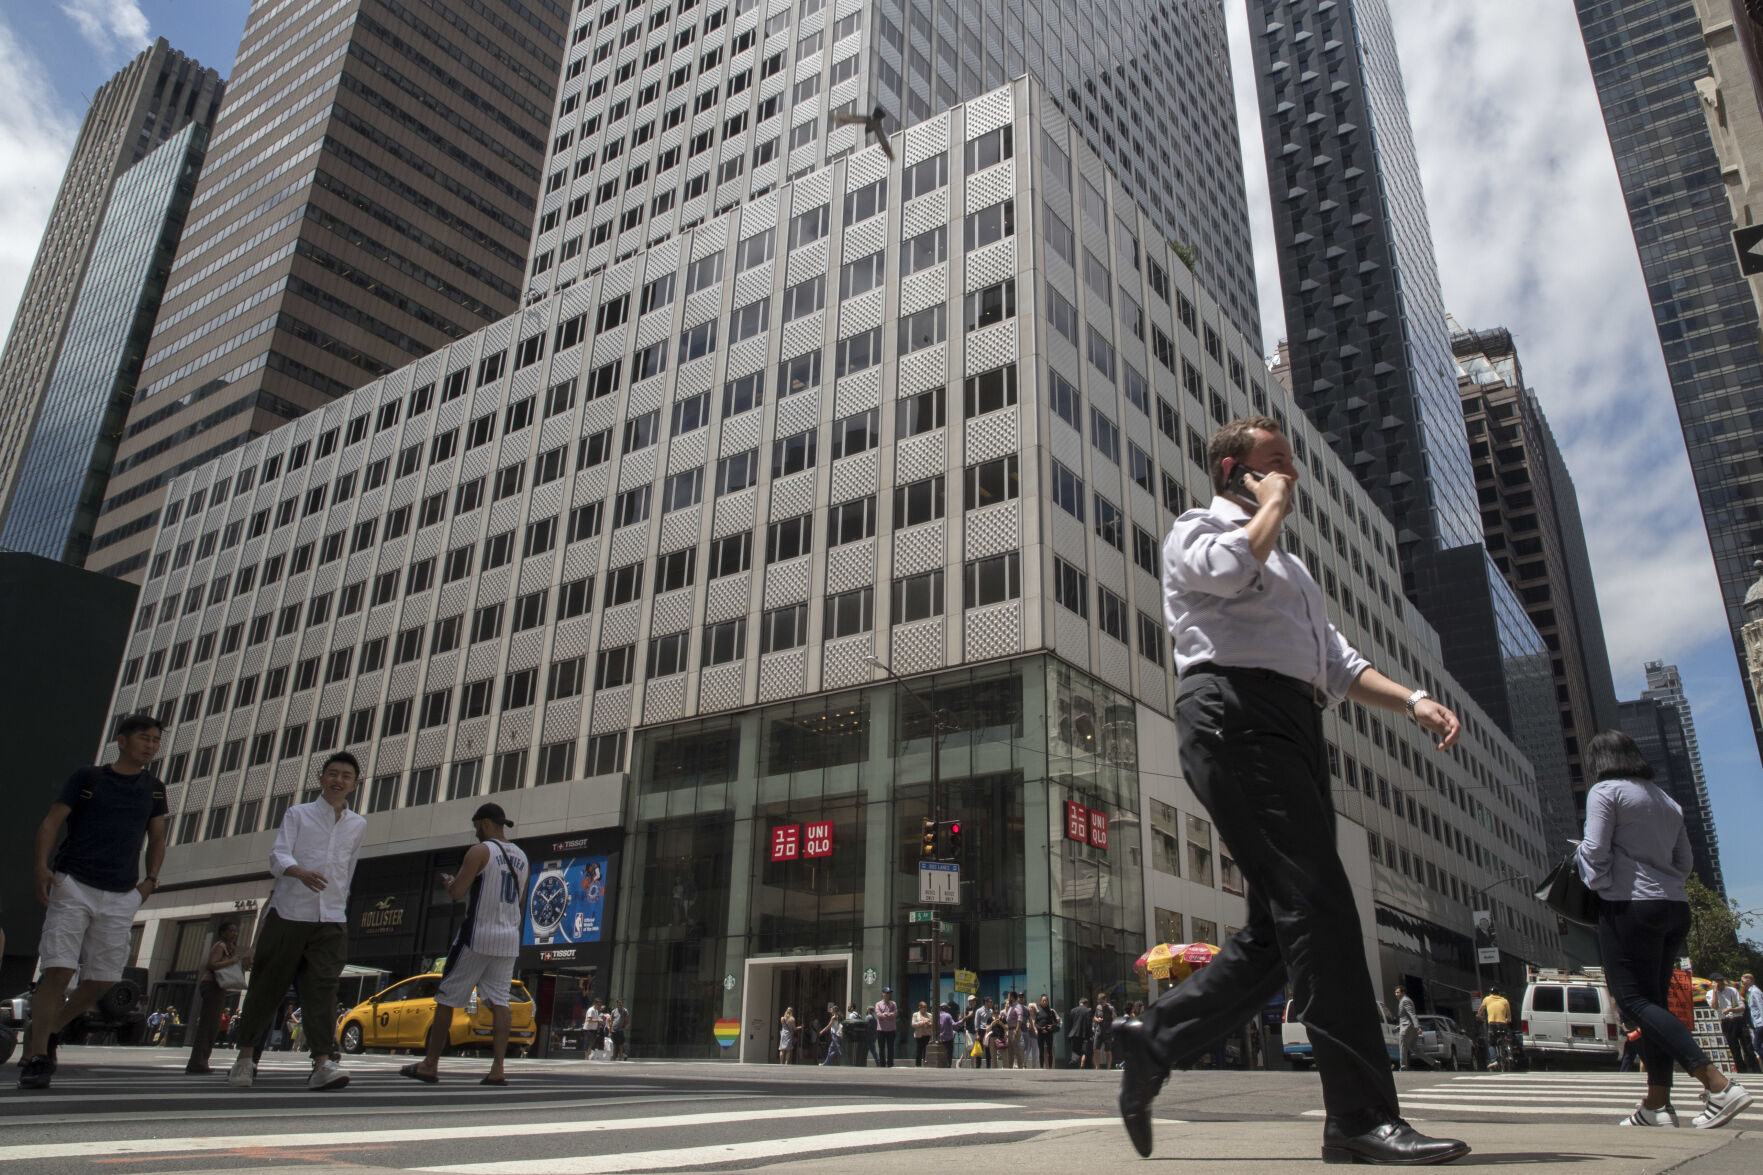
(806, 984)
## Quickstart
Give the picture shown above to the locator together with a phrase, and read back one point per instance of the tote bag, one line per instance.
(1565, 892)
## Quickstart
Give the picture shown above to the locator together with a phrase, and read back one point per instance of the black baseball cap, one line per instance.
(492, 812)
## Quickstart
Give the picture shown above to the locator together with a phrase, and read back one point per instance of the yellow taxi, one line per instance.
(399, 1018)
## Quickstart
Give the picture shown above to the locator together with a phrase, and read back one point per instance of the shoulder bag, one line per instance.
(1565, 892)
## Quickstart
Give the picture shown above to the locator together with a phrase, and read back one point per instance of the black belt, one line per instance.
(1256, 673)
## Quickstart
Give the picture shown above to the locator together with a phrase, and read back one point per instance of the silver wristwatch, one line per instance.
(1414, 699)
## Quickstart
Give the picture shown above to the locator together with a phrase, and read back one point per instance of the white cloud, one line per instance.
(1532, 233)
(34, 145)
(109, 26)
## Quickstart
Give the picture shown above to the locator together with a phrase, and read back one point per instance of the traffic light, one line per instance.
(954, 842)
(929, 852)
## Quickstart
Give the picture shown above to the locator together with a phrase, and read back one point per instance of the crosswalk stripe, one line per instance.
(1685, 1112)
(341, 1138)
(696, 1156)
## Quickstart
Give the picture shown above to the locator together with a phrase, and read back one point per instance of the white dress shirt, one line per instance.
(1223, 605)
(313, 836)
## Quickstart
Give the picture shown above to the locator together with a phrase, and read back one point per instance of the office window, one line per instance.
(799, 374)
(793, 454)
(464, 779)
(667, 654)
(990, 390)
(725, 642)
(916, 597)
(856, 433)
(675, 569)
(520, 689)
(990, 224)
(565, 679)
(918, 502)
(1067, 491)
(1071, 588)
(1105, 435)
(789, 538)
(850, 613)
(991, 482)
(1153, 645)
(498, 549)
(992, 581)
(926, 328)
(866, 202)
(605, 754)
(919, 413)
(556, 762)
(849, 522)
(730, 555)
(1110, 523)
(623, 584)
(1111, 614)
(615, 667)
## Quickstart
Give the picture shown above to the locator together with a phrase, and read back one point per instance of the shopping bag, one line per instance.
(1565, 892)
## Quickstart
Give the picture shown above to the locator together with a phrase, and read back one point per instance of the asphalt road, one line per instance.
(133, 1109)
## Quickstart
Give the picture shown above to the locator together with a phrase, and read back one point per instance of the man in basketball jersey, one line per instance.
(483, 955)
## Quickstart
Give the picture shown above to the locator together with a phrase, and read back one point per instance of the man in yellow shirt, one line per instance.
(1496, 1012)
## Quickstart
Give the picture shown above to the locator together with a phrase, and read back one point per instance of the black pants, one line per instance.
(885, 1049)
(923, 1043)
(1252, 750)
(205, 1025)
(1638, 942)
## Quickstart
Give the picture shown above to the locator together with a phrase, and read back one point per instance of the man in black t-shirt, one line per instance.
(94, 887)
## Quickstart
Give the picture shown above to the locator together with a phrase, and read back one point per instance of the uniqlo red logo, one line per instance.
(786, 841)
(1098, 829)
(1077, 821)
(818, 839)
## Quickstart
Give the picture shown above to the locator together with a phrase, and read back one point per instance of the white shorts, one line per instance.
(87, 929)
(467, 969)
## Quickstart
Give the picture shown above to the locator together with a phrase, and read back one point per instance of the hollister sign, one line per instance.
(385, 916)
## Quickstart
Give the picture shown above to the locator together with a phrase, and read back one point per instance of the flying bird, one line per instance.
(871, 122)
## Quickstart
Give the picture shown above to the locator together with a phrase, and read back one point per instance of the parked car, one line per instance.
(119, 1017)
(399, 1018)
(1568, 1015)
(1445, 1045)
(1295, 1039)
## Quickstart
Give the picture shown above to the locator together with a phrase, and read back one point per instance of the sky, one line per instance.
(1527, 222)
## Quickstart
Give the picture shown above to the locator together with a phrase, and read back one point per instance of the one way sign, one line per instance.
(1749, 243)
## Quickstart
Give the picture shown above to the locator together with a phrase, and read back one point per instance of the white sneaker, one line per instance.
(243, 1072)
(327, 1076)
(1719, 1108)
(1663, 1116)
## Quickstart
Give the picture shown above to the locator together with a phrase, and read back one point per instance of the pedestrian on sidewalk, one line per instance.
(1080, 1032)
(1635, 856)
(93, 889)
(206, 1027)
(313, 862)
(1047, 1028)
(887, 1019)
(946, 1033)
(1754, 1006)
(1408, 1024)
(1102, 1048)
(831, 1036)
(1031, 1034)
(786, 1035)
(1735, 1023)
(618, 1025)
(492, 880)
(1015, 1027)
(1258, 665)
(921, 1031)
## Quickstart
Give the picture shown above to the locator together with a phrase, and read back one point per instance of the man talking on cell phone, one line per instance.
(1259, 662)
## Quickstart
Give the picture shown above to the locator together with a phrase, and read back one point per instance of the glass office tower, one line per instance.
(1646, 61)
(66, 463)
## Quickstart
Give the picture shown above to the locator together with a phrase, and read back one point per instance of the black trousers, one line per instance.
(1252, 750)
(1638, 942)
(885, 1053)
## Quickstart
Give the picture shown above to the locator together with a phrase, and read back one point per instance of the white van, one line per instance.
(1568, 1014)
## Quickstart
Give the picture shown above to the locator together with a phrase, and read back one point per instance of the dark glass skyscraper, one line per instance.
(1646, 60)
(1369, 352)
(66, 462)
(367, 197)
(147, 102)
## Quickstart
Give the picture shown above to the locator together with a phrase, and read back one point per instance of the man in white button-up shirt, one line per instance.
(1259, 661)
(304, 935)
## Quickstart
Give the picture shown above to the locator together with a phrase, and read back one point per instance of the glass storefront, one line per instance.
(773, 855)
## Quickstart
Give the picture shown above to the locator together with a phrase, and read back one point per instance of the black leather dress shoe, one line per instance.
(1390, 1143)
(1141, 1076)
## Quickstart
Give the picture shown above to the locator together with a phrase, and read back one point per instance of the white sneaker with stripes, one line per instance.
(1642, 1116)
(1719, 1108)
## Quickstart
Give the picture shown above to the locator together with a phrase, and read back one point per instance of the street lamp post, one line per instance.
(1493, 927)
(939, 726)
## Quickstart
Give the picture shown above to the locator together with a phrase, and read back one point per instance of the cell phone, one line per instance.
(1239, 476)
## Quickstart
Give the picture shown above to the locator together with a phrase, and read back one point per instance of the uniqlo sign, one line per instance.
(1077, 821)
(1098, 829)
(786, 842)
(817, 839)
